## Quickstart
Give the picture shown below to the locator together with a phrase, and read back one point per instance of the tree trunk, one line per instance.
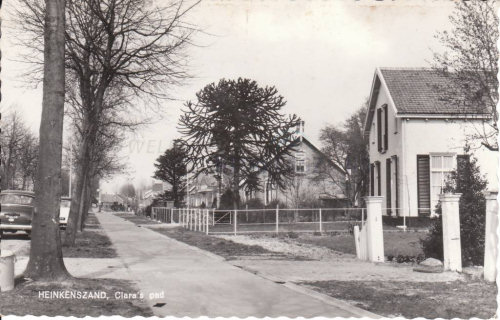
(236, 187)
(46, 261)
(74, 212)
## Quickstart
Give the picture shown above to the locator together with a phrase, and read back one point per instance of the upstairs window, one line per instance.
(300, 162)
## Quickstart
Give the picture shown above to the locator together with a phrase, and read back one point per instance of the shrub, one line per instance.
(227, 200)
(274, 203)
(254, 203)
(468, 181)
(292, 235)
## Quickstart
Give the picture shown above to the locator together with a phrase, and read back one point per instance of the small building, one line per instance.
(110, 201)
(415, 138)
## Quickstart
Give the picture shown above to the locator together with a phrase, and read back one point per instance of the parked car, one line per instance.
(17, 210)
(64, 212)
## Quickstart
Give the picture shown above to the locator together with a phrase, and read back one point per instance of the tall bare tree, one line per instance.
(470, 61)
(46, 262)
(117, 50)
(346, 147)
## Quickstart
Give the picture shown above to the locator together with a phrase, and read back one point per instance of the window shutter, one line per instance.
(386, 128)
(423, 185)
(388, 189)
(372, 180)
(396, 184)
(379, 181)
(379, 129)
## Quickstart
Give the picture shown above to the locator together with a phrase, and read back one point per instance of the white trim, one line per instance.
(443, 116)
(382, 81)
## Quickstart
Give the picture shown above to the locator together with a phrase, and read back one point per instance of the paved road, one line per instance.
(195, 283)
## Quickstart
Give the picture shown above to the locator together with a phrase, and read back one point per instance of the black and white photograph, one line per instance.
(253, 158)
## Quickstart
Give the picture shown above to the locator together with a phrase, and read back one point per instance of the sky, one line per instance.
(320, 55)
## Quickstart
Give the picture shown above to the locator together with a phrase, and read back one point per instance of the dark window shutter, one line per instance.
(379, 129)
(388, 190)
(379, 181)
(396, 184)
(462, 161)
(424, 185)
(386, 128)
(372, 180)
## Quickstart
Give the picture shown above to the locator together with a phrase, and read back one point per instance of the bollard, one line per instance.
(356, 241)
(452, 249)
(491, 238)
(7, 259)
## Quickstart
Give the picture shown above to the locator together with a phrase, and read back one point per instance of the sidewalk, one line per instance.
(196, 283)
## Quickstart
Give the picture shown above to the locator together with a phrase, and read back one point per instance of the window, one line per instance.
(300, 162)
(441, 167)
(379, 182)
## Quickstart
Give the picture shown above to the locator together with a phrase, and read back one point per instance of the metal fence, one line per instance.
(213, 221)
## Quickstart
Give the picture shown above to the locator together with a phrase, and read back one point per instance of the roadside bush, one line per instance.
(274, 203)
(227, 200)
(406, 259)
(254, 203)
(468, 181)
(292, 235)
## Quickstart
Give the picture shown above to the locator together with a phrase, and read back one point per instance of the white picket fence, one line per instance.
(277, 220)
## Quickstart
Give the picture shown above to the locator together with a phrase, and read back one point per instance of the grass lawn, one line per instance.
(226, 248)
(395, 243)
(25, 299)
(91, 243)
(133, 218)
(415, 299)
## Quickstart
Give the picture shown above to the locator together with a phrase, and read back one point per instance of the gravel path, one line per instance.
(290, 247)
(329, 264)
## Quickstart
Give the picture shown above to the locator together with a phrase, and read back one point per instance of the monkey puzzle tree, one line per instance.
(239, 123)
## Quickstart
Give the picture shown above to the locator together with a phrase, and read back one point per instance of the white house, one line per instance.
(416, 138)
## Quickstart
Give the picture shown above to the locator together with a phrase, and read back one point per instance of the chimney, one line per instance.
(299, 131)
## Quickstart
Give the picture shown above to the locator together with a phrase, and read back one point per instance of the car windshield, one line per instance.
(16, 199)
(65, 203)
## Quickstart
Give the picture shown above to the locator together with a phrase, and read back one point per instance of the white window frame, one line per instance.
(300, 156)
(440, 170)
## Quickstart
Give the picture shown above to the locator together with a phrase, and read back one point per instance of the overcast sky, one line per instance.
(320, 55)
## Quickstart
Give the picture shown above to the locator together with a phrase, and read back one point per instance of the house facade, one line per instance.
(307, 187)
(415, 138)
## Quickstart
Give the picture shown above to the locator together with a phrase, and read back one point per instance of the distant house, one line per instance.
(306, 188)
(109, 200)
(416, 139)
(149, 195)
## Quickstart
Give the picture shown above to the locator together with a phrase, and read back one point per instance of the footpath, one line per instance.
(181, 280)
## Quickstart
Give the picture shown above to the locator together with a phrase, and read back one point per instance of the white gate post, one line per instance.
(277, 218)
(213, 217)
(452, 250)
(199, 220)
(190, 218)
(356, 241)
(235, 222)
(374, 229)
(320, 221)
(491, 238)
(206, 217)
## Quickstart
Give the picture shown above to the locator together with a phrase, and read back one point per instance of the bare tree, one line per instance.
(346, 147)
(470, 61)
(46, 262)
(13, 134)
(117, 50)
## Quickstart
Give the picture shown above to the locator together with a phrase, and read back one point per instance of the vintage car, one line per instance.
(16, 211)
(64, 212)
